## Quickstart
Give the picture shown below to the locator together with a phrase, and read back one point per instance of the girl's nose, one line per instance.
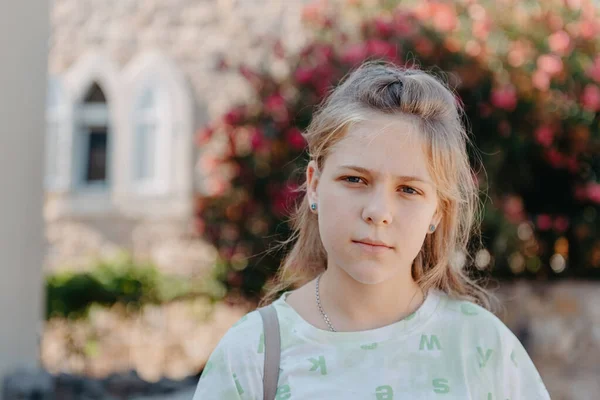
(378, 210)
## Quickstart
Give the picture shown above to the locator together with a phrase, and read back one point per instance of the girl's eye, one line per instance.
(409, 190)
(352, 179)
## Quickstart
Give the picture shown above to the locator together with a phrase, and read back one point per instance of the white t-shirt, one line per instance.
(447, 349)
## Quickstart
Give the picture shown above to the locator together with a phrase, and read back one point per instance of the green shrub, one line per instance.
(119, 280)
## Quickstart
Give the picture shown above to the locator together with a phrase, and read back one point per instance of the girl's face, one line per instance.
(375, 200)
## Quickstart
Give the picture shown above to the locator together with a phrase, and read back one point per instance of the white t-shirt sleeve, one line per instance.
(520, 374)
(235, 367)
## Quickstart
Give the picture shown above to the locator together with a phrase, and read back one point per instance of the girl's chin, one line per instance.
(370, 274)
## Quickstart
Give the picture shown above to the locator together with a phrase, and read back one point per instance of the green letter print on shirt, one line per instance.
(283, 392)
(441, 386)
(318, 364)
(261, 344)
(468, 309)
(371, 346)
(384, 392)
(490, 397)
(484, 358)
(237, 385)
(433, 341)
(411, 316)
(512, 358)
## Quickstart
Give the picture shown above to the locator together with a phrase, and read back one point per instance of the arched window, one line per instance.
(93, 138)
(159, 125)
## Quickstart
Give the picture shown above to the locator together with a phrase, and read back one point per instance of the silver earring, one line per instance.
(313, 206)
(431, 228)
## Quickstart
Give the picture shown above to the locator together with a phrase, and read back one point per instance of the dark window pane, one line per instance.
(95, 95)
(96, 155)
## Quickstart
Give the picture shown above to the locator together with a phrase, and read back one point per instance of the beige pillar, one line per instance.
(24, 35)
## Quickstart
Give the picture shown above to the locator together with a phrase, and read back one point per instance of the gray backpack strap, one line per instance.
(272, 351)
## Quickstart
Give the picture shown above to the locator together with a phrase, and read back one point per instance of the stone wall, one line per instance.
(196, 34)
(559, 324)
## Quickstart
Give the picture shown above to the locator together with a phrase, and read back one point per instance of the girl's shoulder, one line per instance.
(244, 334)
(472, 320)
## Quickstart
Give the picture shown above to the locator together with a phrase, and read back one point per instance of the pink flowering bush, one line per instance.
(529, 78)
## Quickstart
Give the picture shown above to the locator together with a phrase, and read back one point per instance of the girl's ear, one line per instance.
(435, 221)
(312, 180)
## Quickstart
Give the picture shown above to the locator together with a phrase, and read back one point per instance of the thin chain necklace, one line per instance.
(325, 317)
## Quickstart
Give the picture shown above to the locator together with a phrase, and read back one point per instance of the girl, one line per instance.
(384, 308)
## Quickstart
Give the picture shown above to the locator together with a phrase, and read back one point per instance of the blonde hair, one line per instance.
(385, 89)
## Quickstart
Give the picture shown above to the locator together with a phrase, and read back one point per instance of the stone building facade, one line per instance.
(130, 83)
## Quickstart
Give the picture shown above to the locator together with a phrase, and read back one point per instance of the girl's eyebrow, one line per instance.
(400, 177)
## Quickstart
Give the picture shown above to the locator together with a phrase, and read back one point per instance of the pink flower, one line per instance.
(423, 10)
(513, 209)
(208, 164)
(383, 26)
(593, 192)
(541, 80)
(444, 17)
(295, 139)
(555, 159)
(481, 29)
(560, 42)
(354, 54)
(572, 164)
(551, 64)
(544, 135)
(544, 222)
(323, 52)
(257, 139)
(561, 223)
(594, 70)
(505, 98)
(303, 75)
(518, 53)
(312, 12)
(248, 73)
(275, 103)
(590, 98)
(424, 46)
(381, 48)
(234, 116)
(403, 25)
(324, 71)
(204, 135)
(588, 29)
(452, 44)
(217, 186)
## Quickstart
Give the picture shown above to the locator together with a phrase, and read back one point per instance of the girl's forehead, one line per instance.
(387, 145)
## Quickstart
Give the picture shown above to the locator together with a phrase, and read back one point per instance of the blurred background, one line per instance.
(152, 149)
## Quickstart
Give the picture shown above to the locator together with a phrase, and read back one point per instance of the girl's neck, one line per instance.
(354, 306)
